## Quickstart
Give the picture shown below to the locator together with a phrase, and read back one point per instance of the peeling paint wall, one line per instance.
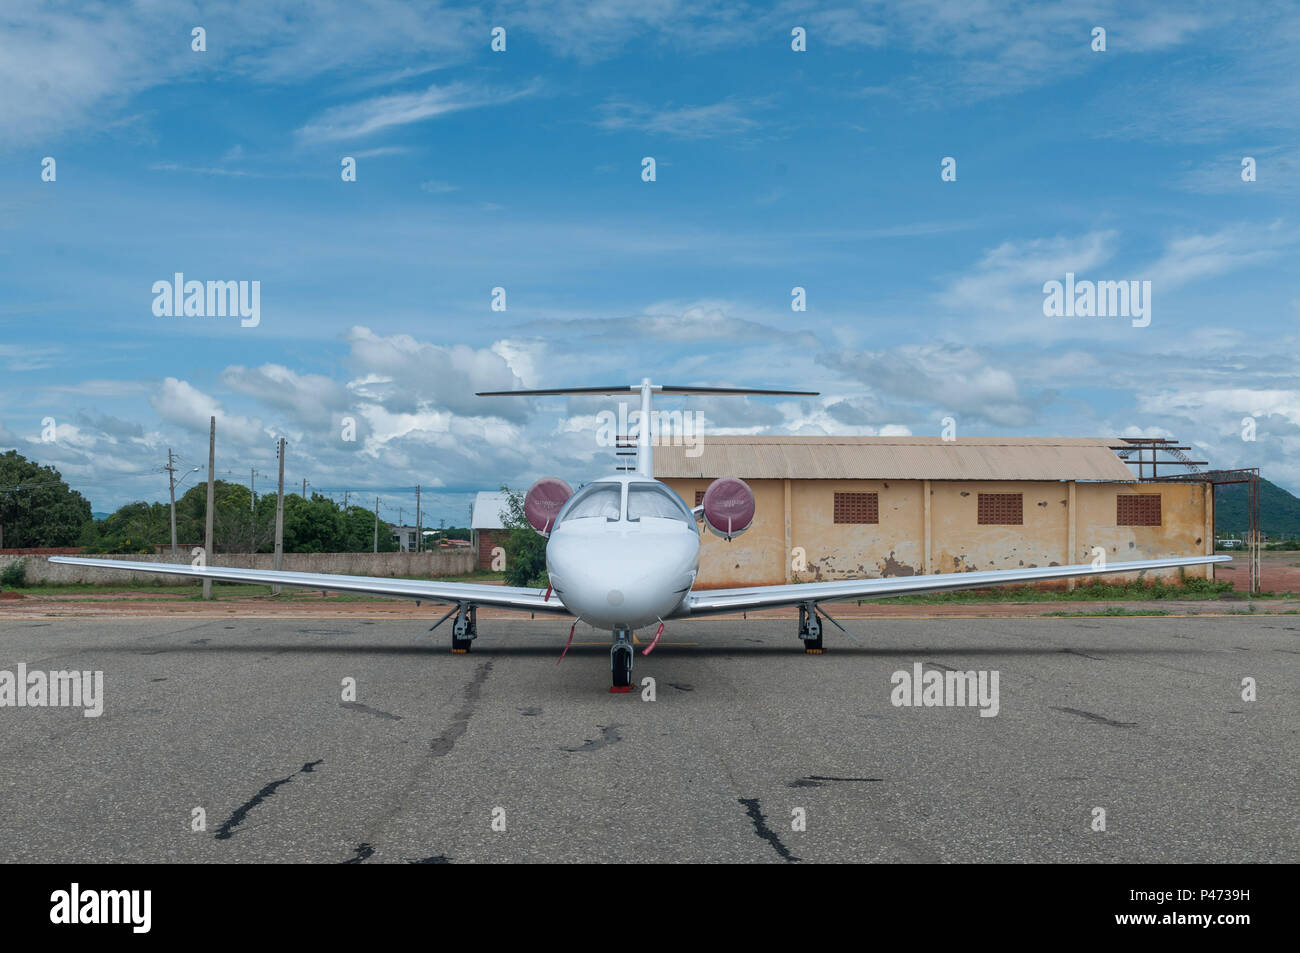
(893, 547)
(961, 544)
(820, 549)
(1181, 533)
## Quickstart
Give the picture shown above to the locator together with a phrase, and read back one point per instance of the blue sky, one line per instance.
(522, 169)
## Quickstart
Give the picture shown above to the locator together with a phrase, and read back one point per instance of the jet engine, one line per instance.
(728, 507)
(543, 502)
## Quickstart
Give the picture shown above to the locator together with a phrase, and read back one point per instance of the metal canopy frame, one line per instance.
(1148, 450)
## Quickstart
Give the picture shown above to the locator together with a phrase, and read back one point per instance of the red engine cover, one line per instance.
(728, 506)
(543, 501)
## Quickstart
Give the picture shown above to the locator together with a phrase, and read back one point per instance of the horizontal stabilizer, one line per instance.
(658, 388)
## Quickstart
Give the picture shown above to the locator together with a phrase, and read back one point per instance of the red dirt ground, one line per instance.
(1280, 572)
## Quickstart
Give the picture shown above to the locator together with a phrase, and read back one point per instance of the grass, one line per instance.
(151, 592)
(1191, 589)
(1109, 611)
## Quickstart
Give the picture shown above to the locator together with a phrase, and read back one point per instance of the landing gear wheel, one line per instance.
(465, 629)
(620, 663)
(810, 629)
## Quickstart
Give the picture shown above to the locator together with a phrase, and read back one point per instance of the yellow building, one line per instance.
(860, 507)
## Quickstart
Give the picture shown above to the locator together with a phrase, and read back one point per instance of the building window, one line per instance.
(1001, 509)
(857, 508)
(699, 497)
(1137, 509)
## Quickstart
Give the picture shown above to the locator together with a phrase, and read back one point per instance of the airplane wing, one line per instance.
(501, 597)
(713, 601)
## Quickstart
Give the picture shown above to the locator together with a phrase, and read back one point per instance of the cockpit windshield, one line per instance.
(656, 501)
(599, 500)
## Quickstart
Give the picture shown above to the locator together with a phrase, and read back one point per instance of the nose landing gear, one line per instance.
(620, 661)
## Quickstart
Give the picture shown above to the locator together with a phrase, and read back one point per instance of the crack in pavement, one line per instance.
(1100, 719)
(608, 735)
(226, 830)
(438, 748)
(765, 832)
(460, 724)
(817, 781)
(362, 853)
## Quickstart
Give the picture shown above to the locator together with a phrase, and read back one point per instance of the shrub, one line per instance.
(14, 575)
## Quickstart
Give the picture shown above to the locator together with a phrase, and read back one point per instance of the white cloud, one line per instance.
(1198, 257)
(411, 373)
(313, 398)
(63, 66)
(725, 118)
(1010, 276)
(181, 403)
(941, 377)
(380, 113)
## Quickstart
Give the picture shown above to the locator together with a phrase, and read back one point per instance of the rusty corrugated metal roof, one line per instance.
(894, 458)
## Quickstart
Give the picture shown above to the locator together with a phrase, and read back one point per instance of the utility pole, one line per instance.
(252, 493)
(419, 537)
(212, 476)
(279, 517)
(304, 488)
(345, 502)
(171, 484)
(376, 524)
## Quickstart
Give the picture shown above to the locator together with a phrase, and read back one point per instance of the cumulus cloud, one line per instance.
(181, 403)
(313, 399)
(957, 379)
(406, 373)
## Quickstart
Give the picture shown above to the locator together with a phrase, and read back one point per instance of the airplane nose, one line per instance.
(625, 582)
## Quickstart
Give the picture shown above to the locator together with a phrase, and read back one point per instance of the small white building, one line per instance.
(405, 537)
(487, 525)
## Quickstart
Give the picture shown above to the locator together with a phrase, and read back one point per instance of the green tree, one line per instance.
(525, 547)
(133, 528)
(359, 532)
(37, 508)
(318, 525)
(312, 526)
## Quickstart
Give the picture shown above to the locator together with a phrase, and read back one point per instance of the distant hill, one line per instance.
(1279, 511)
(99, 516)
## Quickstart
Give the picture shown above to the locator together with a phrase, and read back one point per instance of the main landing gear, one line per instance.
(465, 631)
(620, 661)
(810, 628)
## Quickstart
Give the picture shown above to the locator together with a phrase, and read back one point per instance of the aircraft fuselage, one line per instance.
(622, 554)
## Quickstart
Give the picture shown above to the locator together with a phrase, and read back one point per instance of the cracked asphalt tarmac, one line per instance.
(503, 756)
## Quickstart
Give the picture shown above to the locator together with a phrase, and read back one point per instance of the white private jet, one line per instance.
(622, 554)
